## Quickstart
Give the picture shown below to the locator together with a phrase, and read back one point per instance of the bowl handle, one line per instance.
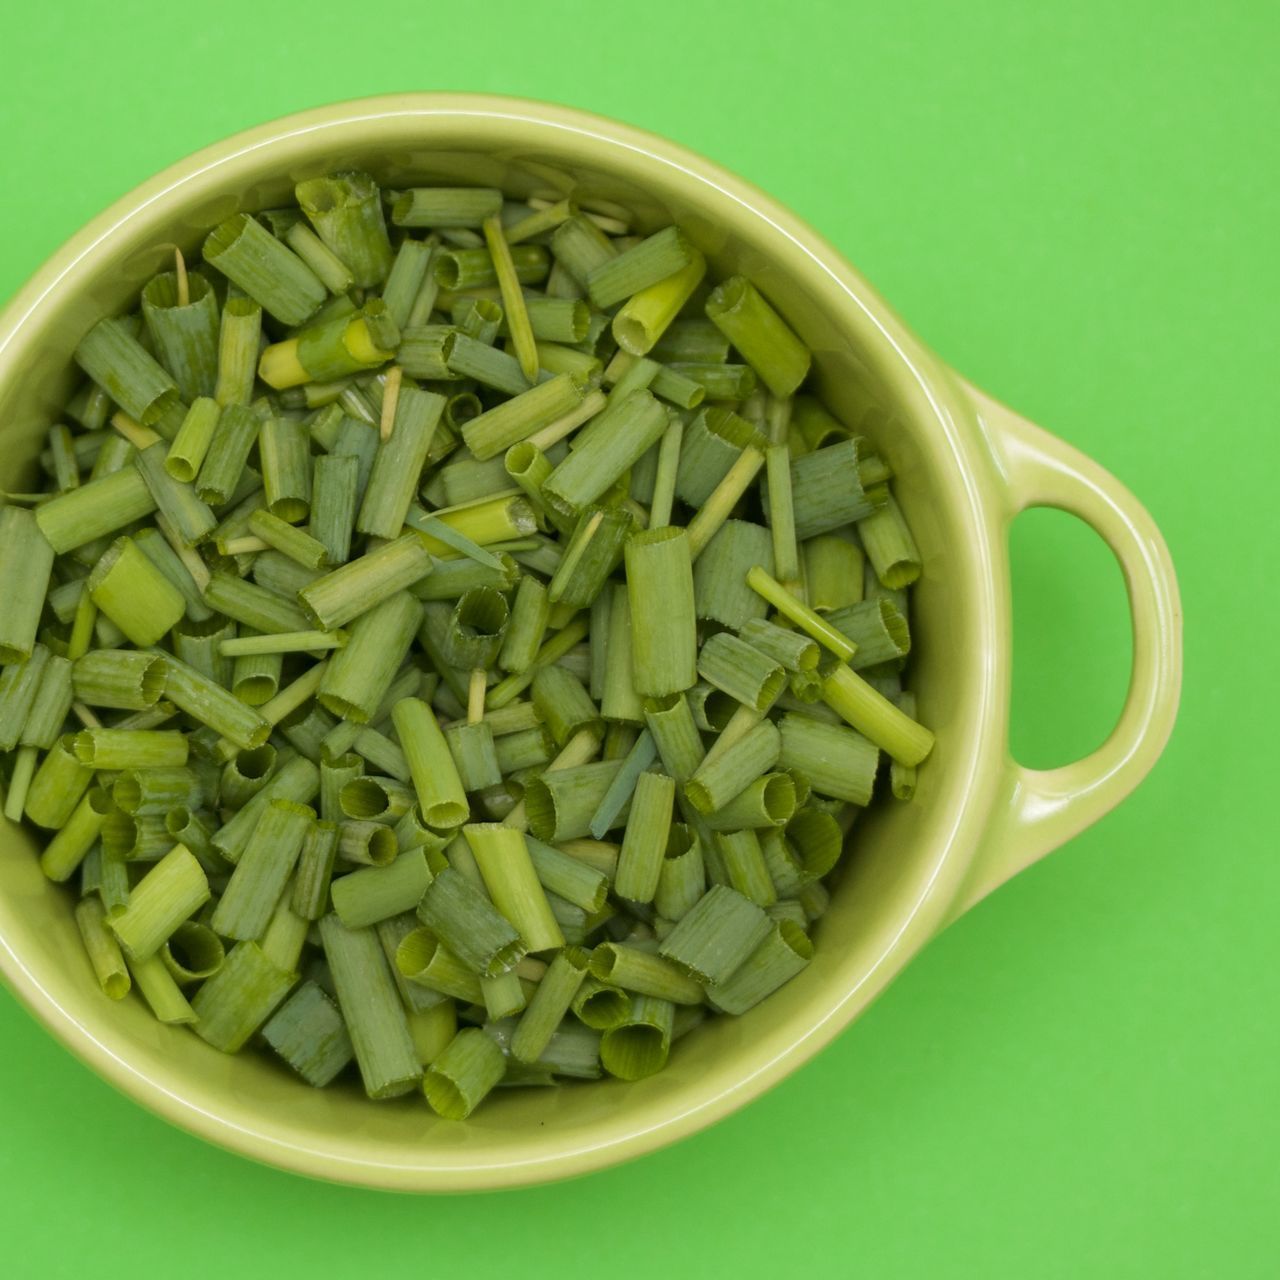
(1045, 807)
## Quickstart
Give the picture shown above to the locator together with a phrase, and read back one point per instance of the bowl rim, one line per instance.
(917, 377)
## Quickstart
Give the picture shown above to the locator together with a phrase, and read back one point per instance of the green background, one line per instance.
(1076, 204)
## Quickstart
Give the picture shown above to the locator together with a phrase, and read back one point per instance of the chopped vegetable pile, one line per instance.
(452, 648)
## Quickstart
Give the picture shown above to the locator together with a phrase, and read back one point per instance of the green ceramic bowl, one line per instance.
(964, 466)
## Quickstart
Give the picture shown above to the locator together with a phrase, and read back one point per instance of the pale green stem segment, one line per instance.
(463, 1074)
(115, 359)
(102, 948)
(837, 761)
(170, 893)
(833, 572)
(724, 498)
(647, 315)
(512, 883)
(550, 1003)
(239, 998)
(872, 714)
(441, 795)
(717, 936)
(890, 547)
(309, 1033)
(26, 564)
(512, 296)
(767, 343)
(664, 641)
(785, 951)
(645, 840)
(812, 623)
(463, 918)
(352, 589)
(265, 268)
(638, 1046)
(263, 870)
(717, 780)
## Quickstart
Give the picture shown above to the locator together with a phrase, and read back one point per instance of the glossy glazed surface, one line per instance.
(965, 466)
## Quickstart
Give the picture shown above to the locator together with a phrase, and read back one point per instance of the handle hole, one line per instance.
(1072, 640)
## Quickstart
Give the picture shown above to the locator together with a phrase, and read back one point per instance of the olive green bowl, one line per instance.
(965, 467)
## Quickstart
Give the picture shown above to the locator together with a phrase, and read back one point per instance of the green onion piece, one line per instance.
(468, 480)
(333, 505)
(717, 508)
(269, 272)
(79, 516)
(528, 622)
(527, 749)
(714, 441)
(102, 949)
(130, 748)
(800, 613)
(45, 719)
(664, 480)
(361, 673)
(427, 963)
(600, 1006)
(224, 462)
(550, 1003)
(568, 877)
(613, 442)
(128, 588)
(741, 670)
(445, 206)
(66, 467)
(262, 871)
(794, 651)
(593, 551)
(506, 271)
(477, 626)
(873, 715)
(561, 803)
(435, 776)
(184, 332)
(745, 866)
(372, 894)
(239, 998)
(367, 582)
(717, 936)
(462, 917)
(375, 799)
(902, 778)
(425, 351)
(785, 950)
(58, 786)
(662, 255)
(645, 841)
(298, 780)
(172, 891)
(462, 1076)
(648, 313)
(639, 1046)
(553, 649)
(889, 545)
(692, 341)
(619, 700)
(285, 453)
(371, 1006)
(782, 525)
(331, 271)
(309, 1034)
(244, 775)
(152, 791)
(315, 867)
(161, 992)
(208, 702)
(833, 571)
(512, 883)
(877, 628)
(118, 363)
(717, 780)
(371, 844)
(399, 463)
(664, 649)
(769, 801)
(643, 973)
(293, 543)
(682, 879)
(252, 605)
(580, 247)
(740, 312)
(516, 419)
(472, 268)
(675, 734)
(238, 351)
(187, 451)
(828, 491)
(346, 211)
(564, 705)
(409, 271)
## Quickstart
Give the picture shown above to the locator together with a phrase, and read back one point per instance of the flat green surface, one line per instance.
(1077, 204)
